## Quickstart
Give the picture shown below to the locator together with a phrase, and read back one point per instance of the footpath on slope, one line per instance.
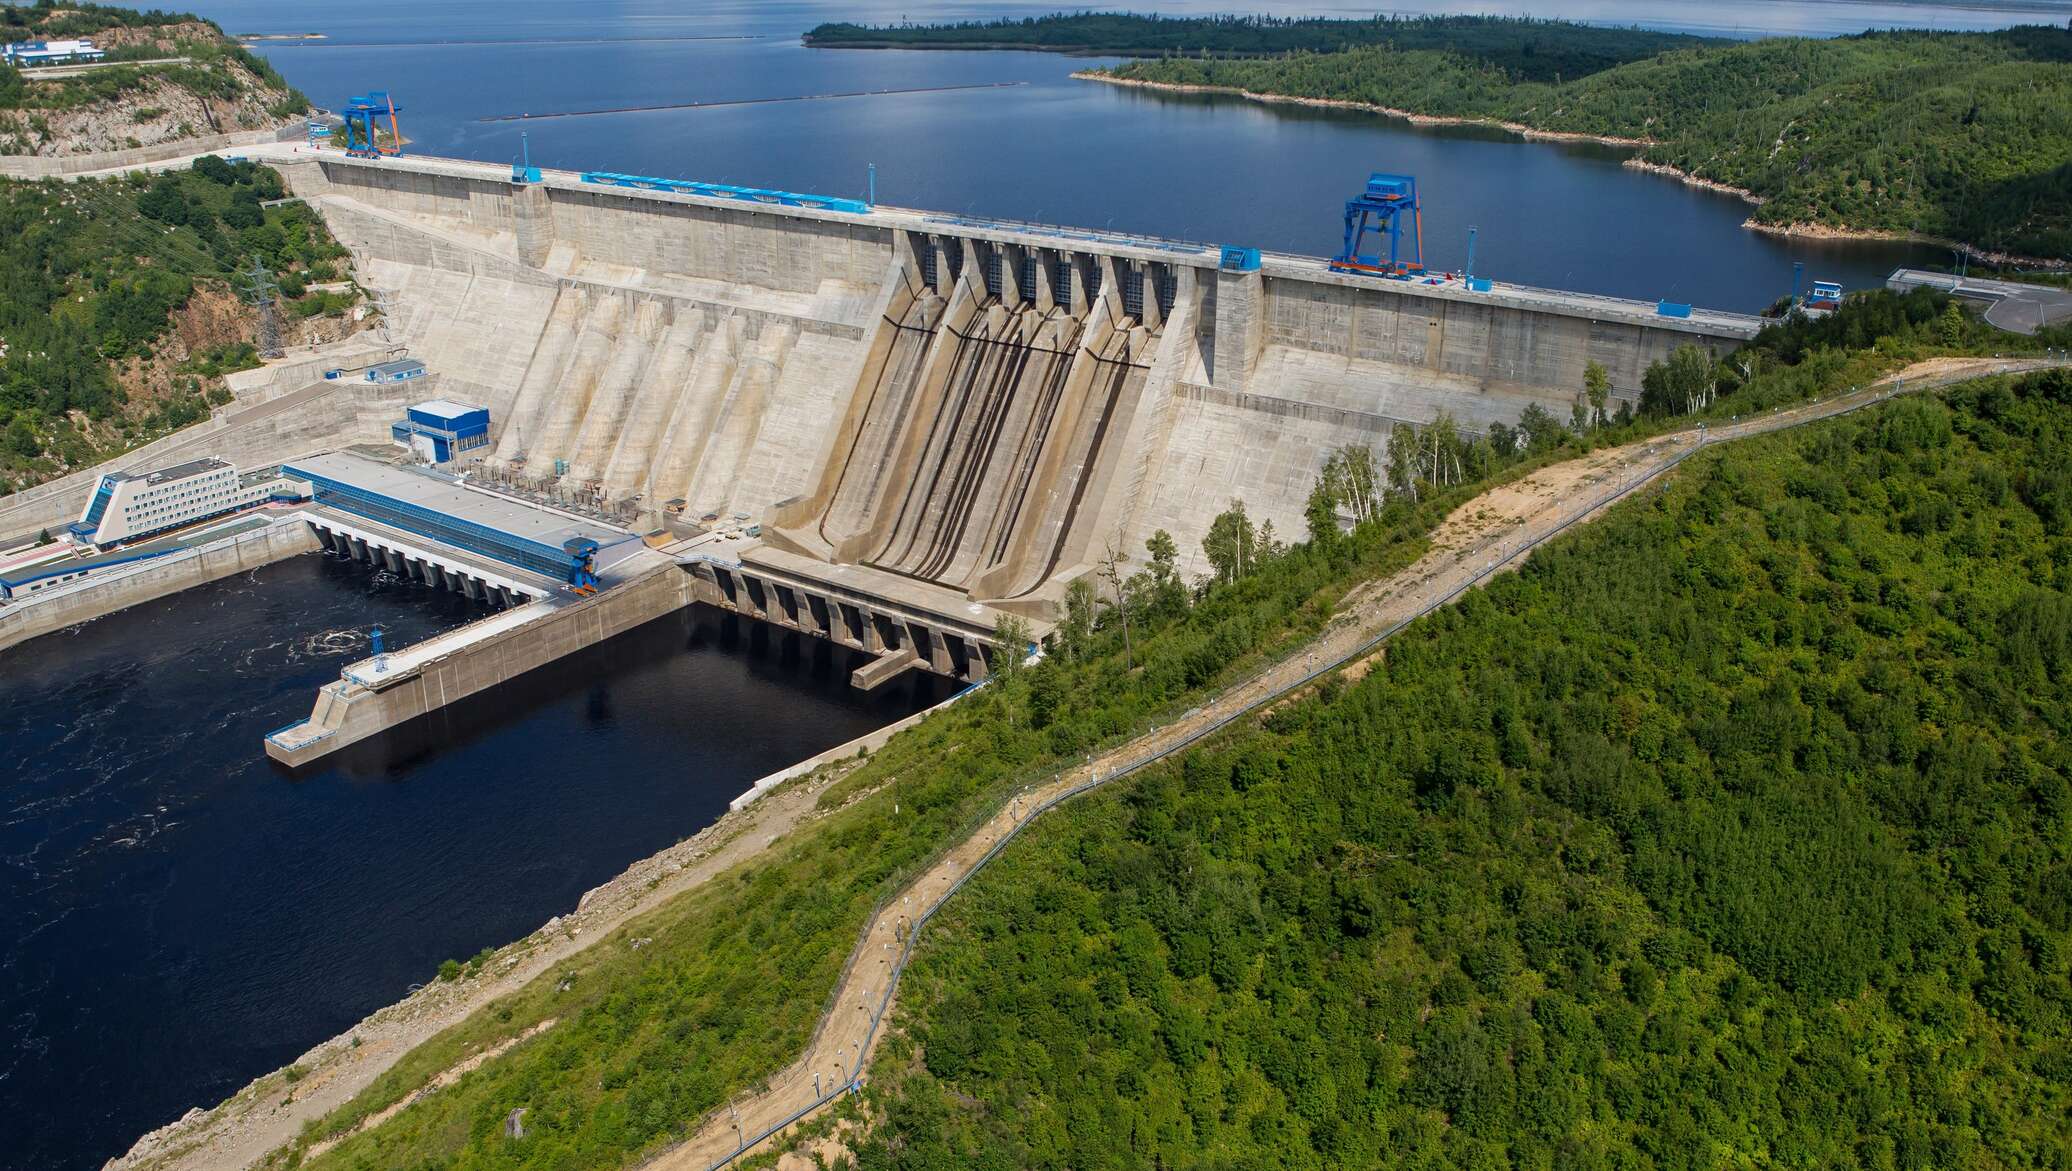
(1487, 535)
(271, 1111)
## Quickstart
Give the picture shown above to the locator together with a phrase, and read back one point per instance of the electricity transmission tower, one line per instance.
(260, 290)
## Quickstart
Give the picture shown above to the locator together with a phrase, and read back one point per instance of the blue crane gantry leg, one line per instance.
(1381, 208)
(360, 115)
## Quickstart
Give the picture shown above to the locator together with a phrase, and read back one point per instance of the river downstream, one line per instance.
(178, 916)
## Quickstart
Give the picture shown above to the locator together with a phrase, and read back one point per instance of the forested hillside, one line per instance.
(169, 76)
(1734, 830)
(1965, 136)
(629, 1043)
(120, 309)
(1534, 50)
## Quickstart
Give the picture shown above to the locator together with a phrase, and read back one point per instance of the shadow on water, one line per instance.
(176, 917)
(780, 656)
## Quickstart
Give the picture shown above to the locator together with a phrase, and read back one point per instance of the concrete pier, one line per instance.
(373, 696)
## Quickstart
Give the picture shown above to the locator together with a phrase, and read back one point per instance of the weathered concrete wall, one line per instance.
(750, 245)
(1495, 344)
(122, 588)
(347, 714)
(38, 167)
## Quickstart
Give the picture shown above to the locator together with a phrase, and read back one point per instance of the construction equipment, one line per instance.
(361, 115)
(522, 170)
(582, 565)
(1381, 208)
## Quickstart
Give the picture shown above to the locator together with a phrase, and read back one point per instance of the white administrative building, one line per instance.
(126, 507)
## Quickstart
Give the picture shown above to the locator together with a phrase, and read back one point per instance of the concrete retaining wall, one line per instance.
(320, 414)
(148, 580)
(40, 167)
(346, 713)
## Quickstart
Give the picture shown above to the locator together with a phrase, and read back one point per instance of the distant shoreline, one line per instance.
(283, 36)
(1802, 229)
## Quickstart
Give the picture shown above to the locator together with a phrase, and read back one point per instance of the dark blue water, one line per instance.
(1061, 150)
(178, 916)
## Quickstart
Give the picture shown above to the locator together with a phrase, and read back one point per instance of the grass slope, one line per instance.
(1964, 136)
(1734, 830)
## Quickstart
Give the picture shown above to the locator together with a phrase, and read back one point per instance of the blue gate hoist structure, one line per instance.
(361, 115)
(1381, 208)
(582, 565)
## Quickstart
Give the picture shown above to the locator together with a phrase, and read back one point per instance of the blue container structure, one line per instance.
(400, 370)
(363, 115)
(1826, 295)
(728, 191)
(442, 430)
(1239, 259)
(1381, 209)
(1672, 309)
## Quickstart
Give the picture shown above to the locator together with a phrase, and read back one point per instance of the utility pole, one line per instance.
(262, 293)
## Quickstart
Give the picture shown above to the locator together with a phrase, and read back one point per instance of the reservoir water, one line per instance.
(1058, 149)
(177, 917)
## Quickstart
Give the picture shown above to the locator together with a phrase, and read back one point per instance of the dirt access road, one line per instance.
(1487, 535)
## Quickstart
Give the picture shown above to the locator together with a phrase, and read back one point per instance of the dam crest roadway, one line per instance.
(884, 427)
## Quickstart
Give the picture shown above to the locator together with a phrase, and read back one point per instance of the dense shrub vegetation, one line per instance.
(90, 274)
(1531, 50)
(729, 980)
(1733, 830)
(1957, 135)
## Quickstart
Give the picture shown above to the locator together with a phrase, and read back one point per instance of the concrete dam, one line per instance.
(913, 422)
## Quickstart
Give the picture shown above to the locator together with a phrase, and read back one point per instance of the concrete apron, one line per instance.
(347, 713)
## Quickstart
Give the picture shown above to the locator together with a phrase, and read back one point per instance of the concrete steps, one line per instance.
(714, 483)
(705, 386)
(543, 374)
(549, 437)
(616, 390)
(662, 385)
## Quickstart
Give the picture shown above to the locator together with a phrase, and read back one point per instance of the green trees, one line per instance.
(1597, 386)
(92, 271)
(1684, 385)
(1956, 135)
(1735, 827)
(1231, 544)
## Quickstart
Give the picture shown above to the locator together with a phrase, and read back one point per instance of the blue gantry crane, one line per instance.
(361, 117)
(1382, 208)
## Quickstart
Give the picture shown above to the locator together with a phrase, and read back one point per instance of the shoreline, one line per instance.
(270, 1111)
(1803, 229)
